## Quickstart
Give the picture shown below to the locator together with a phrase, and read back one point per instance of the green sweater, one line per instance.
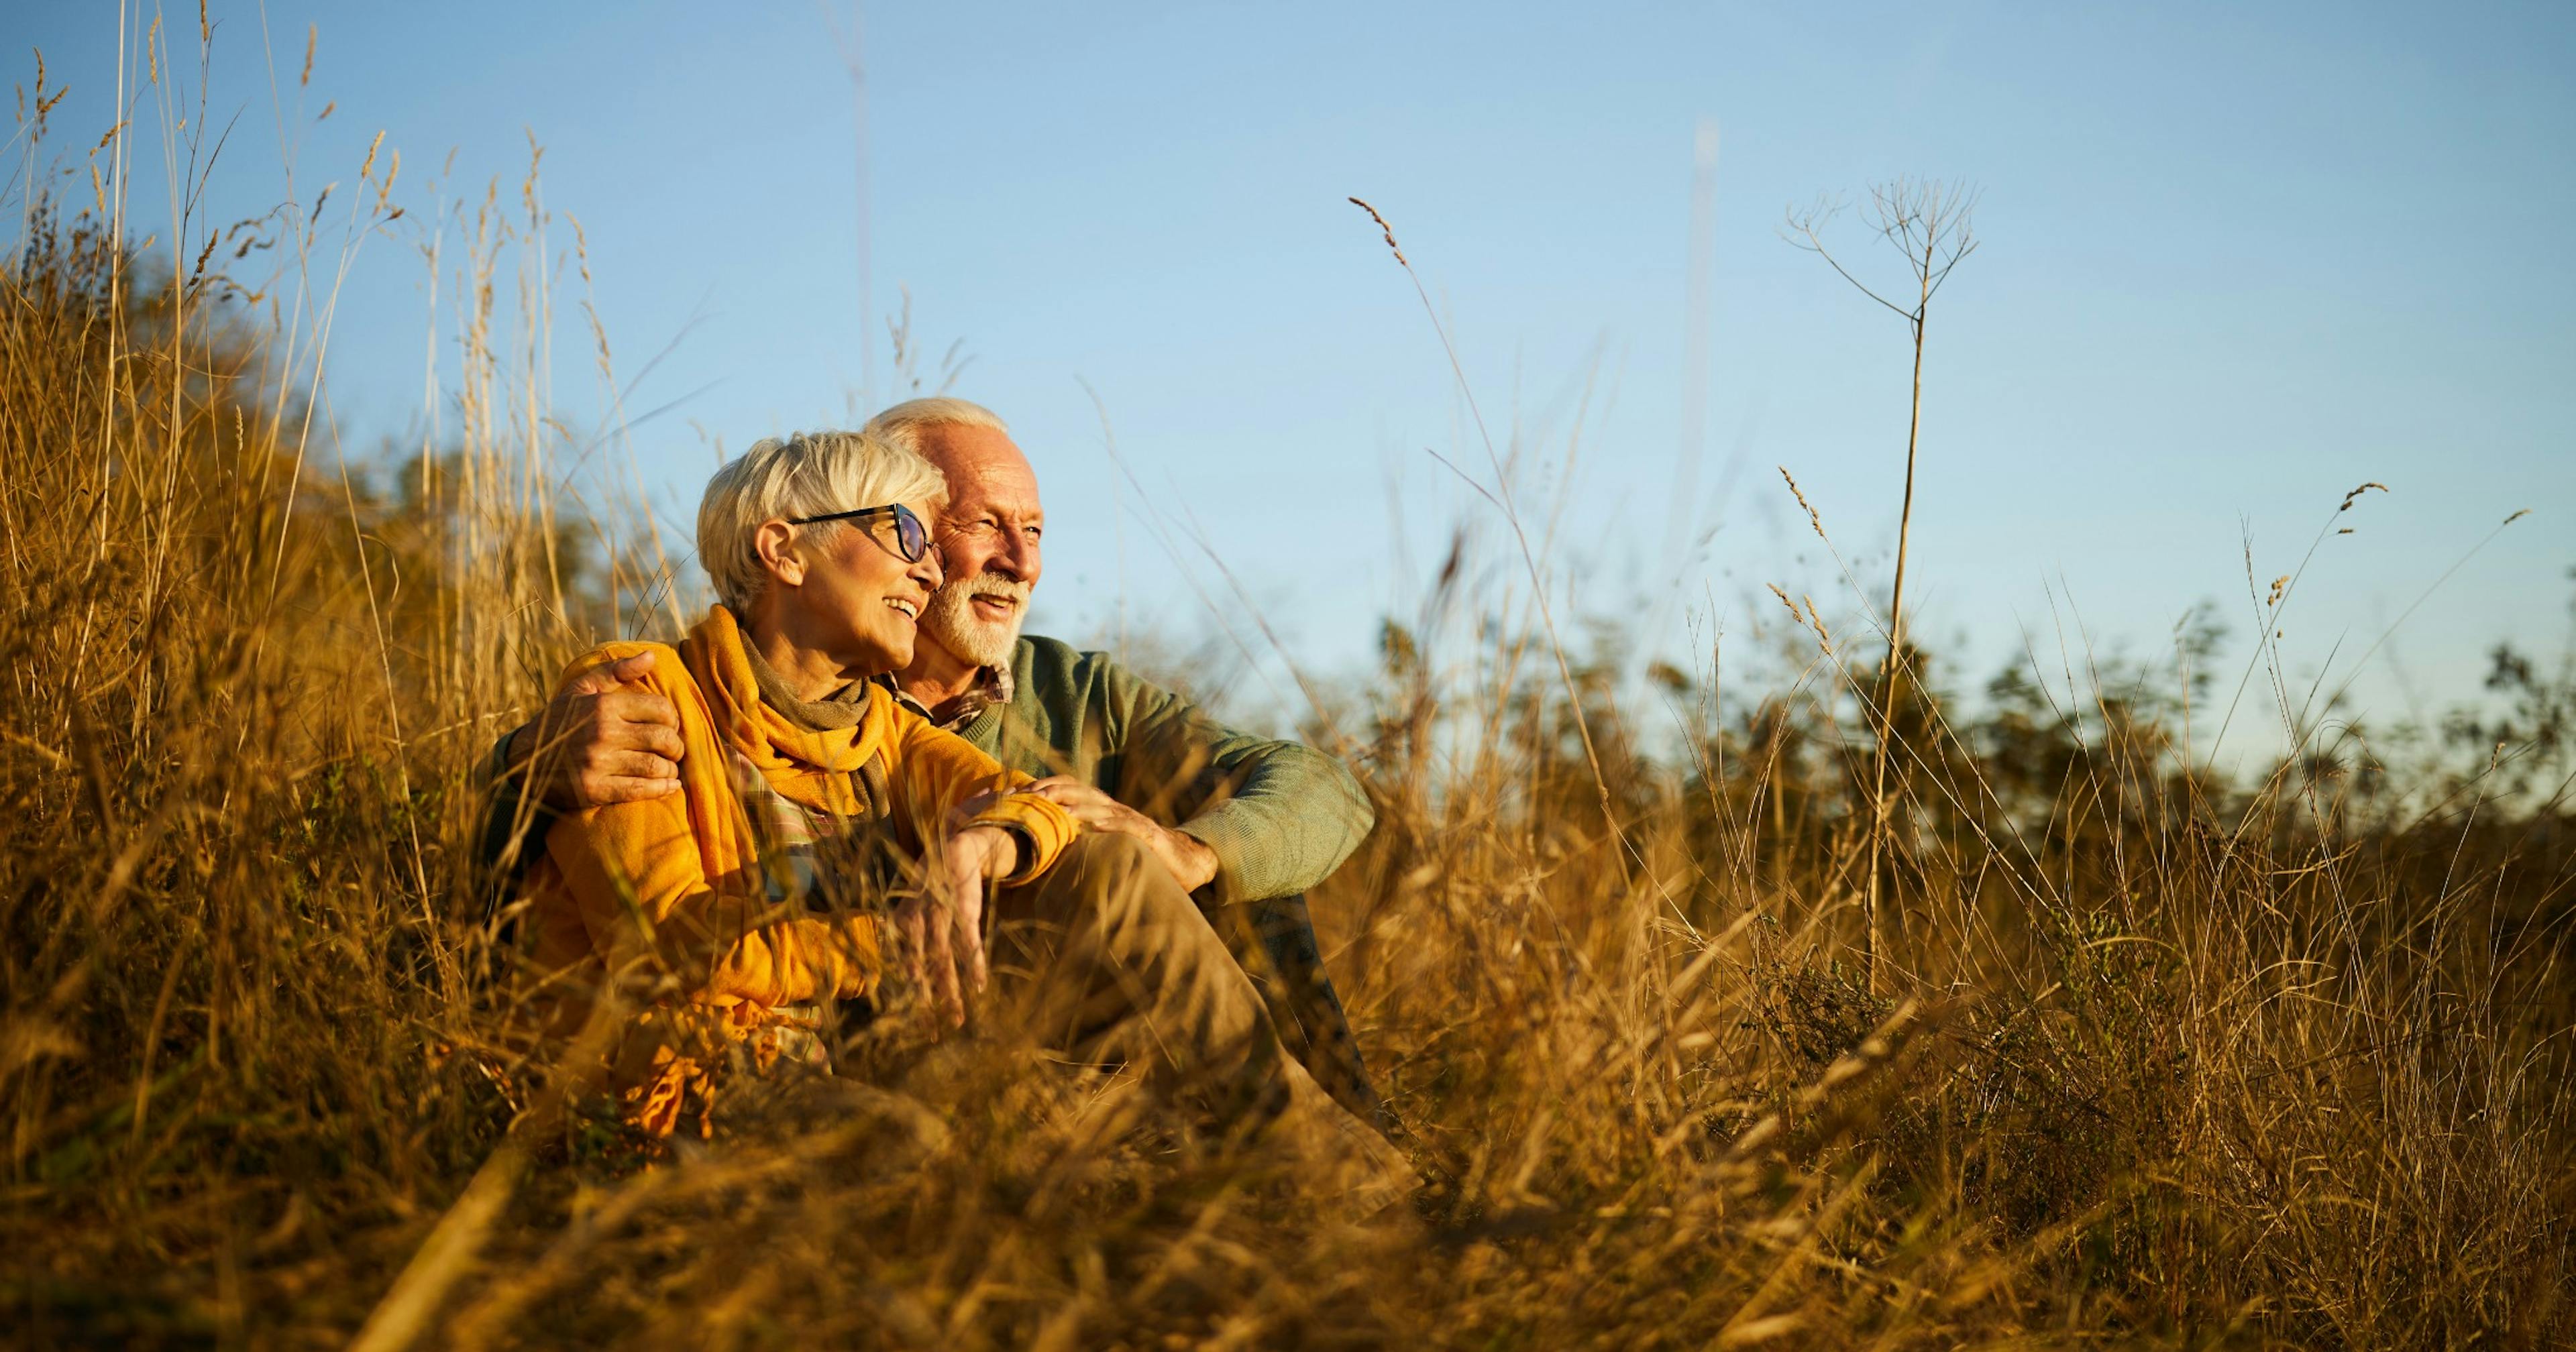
(1280, 816)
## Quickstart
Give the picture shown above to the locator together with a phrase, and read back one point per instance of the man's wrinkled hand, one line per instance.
(602, 741)
(1188, 858)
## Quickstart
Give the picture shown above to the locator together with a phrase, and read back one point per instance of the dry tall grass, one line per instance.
(2156, 1061)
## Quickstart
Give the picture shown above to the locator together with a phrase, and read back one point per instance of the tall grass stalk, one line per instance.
(1929, 223)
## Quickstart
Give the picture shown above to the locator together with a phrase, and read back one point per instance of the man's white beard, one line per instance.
(951, 621)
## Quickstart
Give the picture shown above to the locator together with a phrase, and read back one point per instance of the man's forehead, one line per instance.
(982, 465)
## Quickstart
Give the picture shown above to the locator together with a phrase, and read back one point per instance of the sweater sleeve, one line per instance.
(639, 875)
(1280, 816)
(936, 771)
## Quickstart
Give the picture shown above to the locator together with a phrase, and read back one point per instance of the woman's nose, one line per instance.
(926, 571)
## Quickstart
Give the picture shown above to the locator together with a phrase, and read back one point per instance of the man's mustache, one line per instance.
(985, 584)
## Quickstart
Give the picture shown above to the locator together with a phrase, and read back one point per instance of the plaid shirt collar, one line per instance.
(992, 686)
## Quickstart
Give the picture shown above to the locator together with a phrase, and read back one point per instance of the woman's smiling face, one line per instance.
(859, 601)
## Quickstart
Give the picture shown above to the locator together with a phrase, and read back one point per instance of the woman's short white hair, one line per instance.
(808, 474)
(902, 423)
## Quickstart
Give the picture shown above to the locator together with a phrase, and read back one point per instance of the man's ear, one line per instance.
(775, 543)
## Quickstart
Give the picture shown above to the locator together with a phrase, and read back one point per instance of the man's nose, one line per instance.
(1017, 558)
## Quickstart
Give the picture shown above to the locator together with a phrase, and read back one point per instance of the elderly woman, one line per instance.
(765, 887)
(818, 818)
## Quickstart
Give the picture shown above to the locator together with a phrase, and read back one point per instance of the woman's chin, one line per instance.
(895, 652)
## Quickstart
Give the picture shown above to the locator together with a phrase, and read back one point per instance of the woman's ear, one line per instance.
(775, 543)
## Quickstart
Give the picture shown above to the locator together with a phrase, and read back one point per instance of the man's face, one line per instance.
(988, 543)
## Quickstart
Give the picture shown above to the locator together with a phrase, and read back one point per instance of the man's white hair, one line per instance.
(902, 423)
(808, 474)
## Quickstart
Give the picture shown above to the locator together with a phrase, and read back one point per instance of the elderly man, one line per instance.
(1246, 824)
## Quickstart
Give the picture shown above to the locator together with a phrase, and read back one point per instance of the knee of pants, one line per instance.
(1111, 850)
(1124, 878)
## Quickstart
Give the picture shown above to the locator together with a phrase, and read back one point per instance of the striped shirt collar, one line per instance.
(993, 685)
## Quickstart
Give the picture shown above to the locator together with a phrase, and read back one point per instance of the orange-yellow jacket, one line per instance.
(669, 896)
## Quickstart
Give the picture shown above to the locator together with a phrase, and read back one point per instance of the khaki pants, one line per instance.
(1103, 957)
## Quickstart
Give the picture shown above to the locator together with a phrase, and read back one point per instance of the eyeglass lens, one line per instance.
(910, 538)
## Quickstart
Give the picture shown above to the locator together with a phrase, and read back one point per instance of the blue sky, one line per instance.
(2236, 259)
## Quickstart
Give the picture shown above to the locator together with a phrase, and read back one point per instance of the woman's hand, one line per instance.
(943, 935)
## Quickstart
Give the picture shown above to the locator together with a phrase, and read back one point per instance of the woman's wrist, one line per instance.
(1001, 851)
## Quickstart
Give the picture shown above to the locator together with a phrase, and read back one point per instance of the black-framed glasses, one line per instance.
(911, 538)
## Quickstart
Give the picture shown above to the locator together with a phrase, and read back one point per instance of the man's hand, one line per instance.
(1189, 859)
(942, 935)
(598, 743)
